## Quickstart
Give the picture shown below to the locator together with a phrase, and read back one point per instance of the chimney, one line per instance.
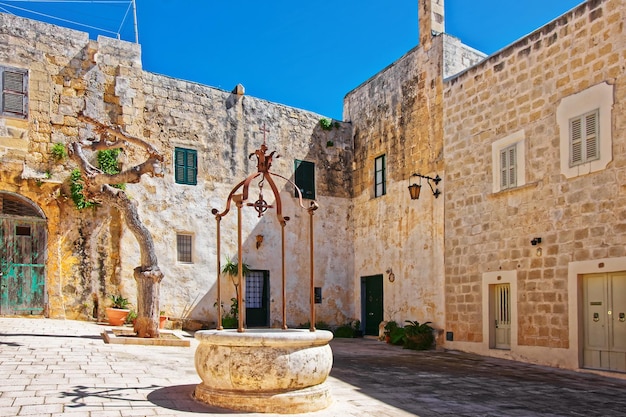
(431, 20)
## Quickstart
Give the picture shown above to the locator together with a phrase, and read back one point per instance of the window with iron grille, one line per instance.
(584, 138)
(14, 92)
(380, 176)
(305, 178)
(186, 166)
(184, 247)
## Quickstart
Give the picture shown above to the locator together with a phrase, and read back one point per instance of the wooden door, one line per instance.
(372, 303)
(22, 266)
(502, 316)
(604, 312)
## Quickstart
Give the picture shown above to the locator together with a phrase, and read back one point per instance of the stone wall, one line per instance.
(91, 255)
(517, 92)
(398, 113)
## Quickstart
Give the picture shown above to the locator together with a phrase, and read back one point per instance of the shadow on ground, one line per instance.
(180, 398)
(435, 383)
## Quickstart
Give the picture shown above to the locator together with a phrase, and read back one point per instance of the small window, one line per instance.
(305, 178)
(186, 166)
(508, 167)
(184, 248)
(22, 230)
(584, 138)
(380, 176)
(14, 92)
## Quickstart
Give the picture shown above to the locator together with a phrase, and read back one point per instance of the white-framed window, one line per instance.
(14, 88)
(585, 136)
(380, 176)
(508, 156)
(184, 248)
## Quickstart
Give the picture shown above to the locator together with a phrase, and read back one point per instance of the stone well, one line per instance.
(264, 370)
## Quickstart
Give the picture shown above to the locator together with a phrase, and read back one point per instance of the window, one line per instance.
(14, 92)
(508, 156)
(305, 178)
(585, 135)
(584, 138)
(380, 176)
(184, 248)
(508, 167)
(186, 166)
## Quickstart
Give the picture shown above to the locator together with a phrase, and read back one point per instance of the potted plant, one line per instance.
(117, 313)
(418, 336)
(389, 327)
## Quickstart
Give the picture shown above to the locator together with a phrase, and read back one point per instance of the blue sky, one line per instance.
(305, 54)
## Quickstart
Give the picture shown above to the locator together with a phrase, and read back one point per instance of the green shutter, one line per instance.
(186, 166)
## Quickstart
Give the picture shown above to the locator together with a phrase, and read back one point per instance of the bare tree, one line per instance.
(98, 188)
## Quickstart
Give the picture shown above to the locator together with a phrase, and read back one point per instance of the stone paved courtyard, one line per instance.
(63, 368)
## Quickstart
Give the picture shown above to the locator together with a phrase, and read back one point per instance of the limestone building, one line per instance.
(517, 252)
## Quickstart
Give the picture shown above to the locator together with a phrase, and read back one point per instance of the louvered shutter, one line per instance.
(591, 136)
(14, 98)
(584, 138)
(185, 166)
(191, 167)
(504, 171)
(576, 141)
(508, 167)
(512, 166)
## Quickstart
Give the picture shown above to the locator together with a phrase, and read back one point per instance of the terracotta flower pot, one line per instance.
(117, 316)
(162, 320)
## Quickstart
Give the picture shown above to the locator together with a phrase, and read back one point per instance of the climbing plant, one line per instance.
(107, 162)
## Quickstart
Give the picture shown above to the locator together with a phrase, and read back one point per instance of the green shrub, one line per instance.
(76, 189)
(344, 332)
(58, 151)
(418, 336)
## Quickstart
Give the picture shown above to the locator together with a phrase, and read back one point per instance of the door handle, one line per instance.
(371, 314)
(622, 317)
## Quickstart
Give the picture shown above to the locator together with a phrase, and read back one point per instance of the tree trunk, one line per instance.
(97, 188)
(148, 287)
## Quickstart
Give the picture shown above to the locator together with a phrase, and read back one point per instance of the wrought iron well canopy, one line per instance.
(240, 196)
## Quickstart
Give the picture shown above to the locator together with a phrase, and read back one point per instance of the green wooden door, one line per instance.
(22, 259)
(372, 303)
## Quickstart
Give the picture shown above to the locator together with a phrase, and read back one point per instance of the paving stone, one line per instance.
(369, 378)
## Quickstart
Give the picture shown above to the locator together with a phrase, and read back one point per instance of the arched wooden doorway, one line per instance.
(22, 256)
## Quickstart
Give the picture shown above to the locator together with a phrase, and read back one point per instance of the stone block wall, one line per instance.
(517, 92)
(91, 254)
(398, 113)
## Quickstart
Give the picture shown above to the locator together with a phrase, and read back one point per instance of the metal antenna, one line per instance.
(135, 19)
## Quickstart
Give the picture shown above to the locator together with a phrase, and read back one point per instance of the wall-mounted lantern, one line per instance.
(414, 189)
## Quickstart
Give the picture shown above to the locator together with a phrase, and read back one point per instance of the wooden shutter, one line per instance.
(14, 88)
(591, 136)
(186, 166)
(584, 138)
(508, 167)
